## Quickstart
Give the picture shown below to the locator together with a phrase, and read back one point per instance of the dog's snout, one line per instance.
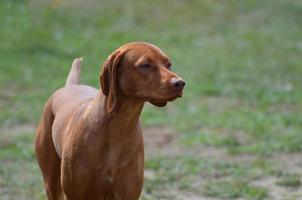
(178, 83)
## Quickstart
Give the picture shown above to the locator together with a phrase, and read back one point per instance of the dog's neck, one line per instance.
(128, 107)
(125, 117)
(119, 132)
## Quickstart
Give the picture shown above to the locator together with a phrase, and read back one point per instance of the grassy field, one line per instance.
(236, 133)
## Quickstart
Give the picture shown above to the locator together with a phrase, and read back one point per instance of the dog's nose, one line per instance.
(178, 83)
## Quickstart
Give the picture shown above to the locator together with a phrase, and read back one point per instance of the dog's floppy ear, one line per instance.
(108, 79)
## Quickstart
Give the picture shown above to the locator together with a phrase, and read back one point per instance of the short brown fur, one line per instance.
(89, 143)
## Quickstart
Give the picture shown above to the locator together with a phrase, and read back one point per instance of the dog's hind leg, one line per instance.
(47, 157)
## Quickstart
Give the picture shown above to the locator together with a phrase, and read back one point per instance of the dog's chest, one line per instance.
(110, 175)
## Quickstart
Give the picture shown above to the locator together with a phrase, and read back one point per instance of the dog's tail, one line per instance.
(75, 72)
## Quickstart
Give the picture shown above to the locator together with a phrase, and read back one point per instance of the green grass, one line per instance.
(289, 180)
(241, 61)
(233, 190)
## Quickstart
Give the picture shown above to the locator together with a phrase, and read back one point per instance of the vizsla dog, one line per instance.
(89, 143)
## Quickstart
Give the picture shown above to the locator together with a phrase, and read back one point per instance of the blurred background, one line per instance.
(235, 134)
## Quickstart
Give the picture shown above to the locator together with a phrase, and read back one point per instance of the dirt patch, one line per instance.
(284, 108)
(278, 192)
(8, 134)
(191, 196)
(164, 141)
(24, 128)
(161, 141)
(290, 162)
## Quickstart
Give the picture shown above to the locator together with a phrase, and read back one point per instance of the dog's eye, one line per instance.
(168, 66)
(145, 66)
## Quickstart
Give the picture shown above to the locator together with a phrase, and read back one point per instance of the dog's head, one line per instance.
(142, 71)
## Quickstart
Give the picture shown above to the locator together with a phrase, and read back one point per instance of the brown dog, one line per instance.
(89, 144)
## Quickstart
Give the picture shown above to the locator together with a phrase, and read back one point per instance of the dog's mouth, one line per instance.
(158, 103)
(161, 102)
